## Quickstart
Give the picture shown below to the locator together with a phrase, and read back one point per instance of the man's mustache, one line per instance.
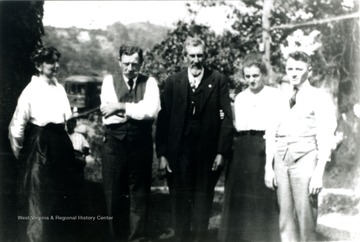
(199, 65)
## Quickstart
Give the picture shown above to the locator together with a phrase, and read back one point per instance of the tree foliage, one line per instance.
(166, 57)
(338, 58)
(92, 52)
(21, 30)
(335, 64)
(81, 50)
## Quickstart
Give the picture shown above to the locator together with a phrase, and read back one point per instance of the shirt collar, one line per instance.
(196, 79)
(41, 80)
(127, 79)
(303, 85)
(261, 92)
(302, 89)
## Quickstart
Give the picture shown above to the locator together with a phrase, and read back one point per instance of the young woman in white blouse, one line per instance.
(249, 210)
(45, 153)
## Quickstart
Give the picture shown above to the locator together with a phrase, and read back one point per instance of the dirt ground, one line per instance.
(159, 217)
(93, 204)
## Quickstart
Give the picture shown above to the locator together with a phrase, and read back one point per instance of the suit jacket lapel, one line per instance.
(208, 84)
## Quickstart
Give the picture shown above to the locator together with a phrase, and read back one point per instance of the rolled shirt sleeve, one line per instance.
(147, 108)
(108, 94)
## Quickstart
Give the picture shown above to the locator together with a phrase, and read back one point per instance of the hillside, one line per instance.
(94, 51)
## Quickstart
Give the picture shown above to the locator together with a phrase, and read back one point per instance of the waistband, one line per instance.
(250, 133)
(57, 128)
(114, 126)
(297, 136)
(142, 124)
(53, 126)
(295, 139)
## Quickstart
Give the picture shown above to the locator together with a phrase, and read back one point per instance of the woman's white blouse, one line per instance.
(256, 111)
(40, 103)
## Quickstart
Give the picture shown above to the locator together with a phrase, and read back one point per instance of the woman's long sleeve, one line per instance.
(18, 123)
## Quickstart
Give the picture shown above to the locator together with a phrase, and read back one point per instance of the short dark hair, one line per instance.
(130, 50)
(44, 54)
(254, 59)
(193, 41)
(300, 56)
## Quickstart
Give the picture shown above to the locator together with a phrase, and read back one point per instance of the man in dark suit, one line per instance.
(129, 103)
(194, 137)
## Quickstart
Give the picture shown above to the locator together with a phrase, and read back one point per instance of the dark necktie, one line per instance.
(292, 100)
(131, 84)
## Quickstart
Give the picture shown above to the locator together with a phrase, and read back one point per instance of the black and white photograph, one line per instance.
(179, 121)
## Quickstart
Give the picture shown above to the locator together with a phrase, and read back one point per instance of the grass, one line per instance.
(335, 203)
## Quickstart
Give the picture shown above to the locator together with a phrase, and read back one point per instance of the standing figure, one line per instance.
(81, 147)
(129, 103)
(46, 156)
(249, 210)
(193, 139)
(300, 145)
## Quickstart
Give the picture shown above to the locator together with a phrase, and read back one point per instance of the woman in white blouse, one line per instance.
(44, 150)
(249, 210)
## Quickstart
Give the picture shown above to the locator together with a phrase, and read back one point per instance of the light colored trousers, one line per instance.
(298, 210)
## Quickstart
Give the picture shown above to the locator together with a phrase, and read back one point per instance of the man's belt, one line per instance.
(250, 133)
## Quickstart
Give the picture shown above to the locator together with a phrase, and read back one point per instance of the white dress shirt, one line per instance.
(256, 111)
(195, 81)
(147, 108)
(40, 103)
(309, 125)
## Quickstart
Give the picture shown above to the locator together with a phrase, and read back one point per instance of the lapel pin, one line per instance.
(210, 86)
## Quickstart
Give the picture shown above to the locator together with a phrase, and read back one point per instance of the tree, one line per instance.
(95, 51)
(166, 58)
(335, 64)
(21, 29)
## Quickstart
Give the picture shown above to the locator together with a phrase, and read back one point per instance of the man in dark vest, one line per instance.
(129, 104)
(194, 136)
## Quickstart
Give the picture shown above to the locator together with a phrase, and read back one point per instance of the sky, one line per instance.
(99, 14)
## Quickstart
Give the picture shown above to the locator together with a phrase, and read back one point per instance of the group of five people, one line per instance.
(277, 145)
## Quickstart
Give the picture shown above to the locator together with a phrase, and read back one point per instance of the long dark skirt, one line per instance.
(47, 184)
(250, 210)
